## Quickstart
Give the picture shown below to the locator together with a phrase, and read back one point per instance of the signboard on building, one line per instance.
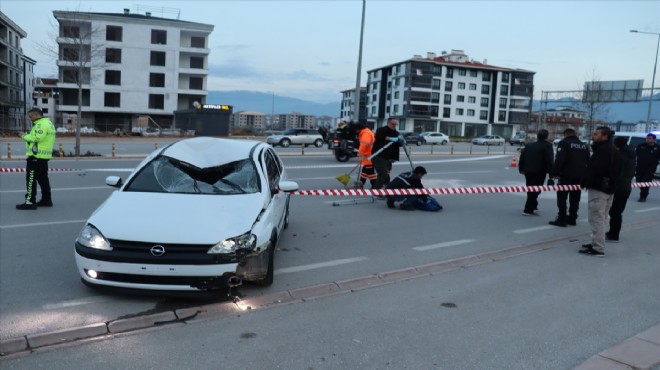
(612, 91)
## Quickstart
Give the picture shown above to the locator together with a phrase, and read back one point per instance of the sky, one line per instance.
(309, 49)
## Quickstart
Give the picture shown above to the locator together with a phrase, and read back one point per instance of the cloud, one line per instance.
(234, 68)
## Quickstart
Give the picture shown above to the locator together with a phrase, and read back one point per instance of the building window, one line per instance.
(196, 83)
(44, 110)
(501, 116)
(472, 99)
(483, 114)
(505, 76)
(435, 85)
(159, 37)
(485, 89)
(396, 108)
(197, 62)
(462, 72)
(473, 86)
(485, 76)
(437, 70)
(158, 58)
(502, 102)
(69, 76)
(111, 99)
(504, 90)
(447, 99)
(484, 102)
(473, 73)
(448, 85)
(113, 33)
(198, 42)
(435, 98)
(71, 31)
(396, 95)
(388, 96)
(470, 112)
(113, 56)
(156, 79)
(446, 112)
(459, 111)
(460, 98)
(70, 55)
(156, 101)
(112, 77)
(450, 73)
(461, 85)
(44, 101)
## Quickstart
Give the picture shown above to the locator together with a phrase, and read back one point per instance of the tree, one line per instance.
(79, 55)
(594, 100)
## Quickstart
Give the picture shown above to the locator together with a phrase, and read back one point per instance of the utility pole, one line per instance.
(356, 101)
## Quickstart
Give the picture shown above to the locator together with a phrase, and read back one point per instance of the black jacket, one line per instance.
(536, 158)
(406, 180)
(604, 168)
(627, 158)
(570, 161)
(392, 152)
(647, 158)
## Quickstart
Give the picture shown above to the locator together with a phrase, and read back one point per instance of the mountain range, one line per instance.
(268, 103)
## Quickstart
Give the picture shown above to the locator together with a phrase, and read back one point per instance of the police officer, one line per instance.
(535, 163)
(570, 166)
(39, 144)
(648, 154)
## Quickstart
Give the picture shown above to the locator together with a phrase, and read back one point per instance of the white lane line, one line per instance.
(73, 303)
(319, 265)
(647, 209)
(443, 245)
(531, 230)
(63, 189)
(3, 227)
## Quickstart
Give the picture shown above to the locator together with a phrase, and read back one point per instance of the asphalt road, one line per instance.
(551, 308)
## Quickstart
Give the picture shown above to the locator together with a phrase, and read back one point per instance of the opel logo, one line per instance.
(157, 250)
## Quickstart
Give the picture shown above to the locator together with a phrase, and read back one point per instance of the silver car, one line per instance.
(488, 140)
(296, 136)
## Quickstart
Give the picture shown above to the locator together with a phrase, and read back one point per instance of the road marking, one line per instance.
(73, 303)
(647, 209)
(531, 230)
(319, 265)
(41, 224)
(443, 245)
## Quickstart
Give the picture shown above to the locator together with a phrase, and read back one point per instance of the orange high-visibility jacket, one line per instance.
(366, 138)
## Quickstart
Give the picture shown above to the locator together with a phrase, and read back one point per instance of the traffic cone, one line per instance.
(514, 162)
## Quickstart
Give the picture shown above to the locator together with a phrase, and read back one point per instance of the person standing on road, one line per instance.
(570, 165)
(603, 172)
(648, 155)
(366, 139)
(535, 163)
(623, 188)
(383, 161)
(39, 143)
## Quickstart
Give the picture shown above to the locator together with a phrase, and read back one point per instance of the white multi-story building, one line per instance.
(450, 93)
(249, 120)
(14, 67)
(348, 103)
(295, 120)
(45, 97)
(129, 65)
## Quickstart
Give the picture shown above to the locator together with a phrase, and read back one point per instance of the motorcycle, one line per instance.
(344, 149)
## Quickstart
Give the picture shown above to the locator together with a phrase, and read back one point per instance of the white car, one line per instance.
(199, 214)
(488, 140)
(297, 136)
(434, 138)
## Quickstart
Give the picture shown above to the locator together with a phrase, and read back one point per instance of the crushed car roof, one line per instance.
(204, 152)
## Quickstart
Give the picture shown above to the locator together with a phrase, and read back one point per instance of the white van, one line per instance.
(636, 138)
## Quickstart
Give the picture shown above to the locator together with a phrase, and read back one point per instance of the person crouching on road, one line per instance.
(535, 162)
(366, 138)
(407, 180)
(39, 143)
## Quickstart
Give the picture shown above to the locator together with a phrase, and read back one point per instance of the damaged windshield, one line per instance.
(169, 175)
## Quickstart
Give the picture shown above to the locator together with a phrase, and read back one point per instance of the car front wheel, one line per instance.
(285, 143)
(419, 143)
(444, 142)
(318, 143)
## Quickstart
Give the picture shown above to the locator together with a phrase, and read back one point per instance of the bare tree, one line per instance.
(74, 43)
(594, 99)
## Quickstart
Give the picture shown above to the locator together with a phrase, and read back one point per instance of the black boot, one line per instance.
(559, 221)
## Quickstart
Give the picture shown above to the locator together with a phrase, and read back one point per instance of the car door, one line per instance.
(278, 199)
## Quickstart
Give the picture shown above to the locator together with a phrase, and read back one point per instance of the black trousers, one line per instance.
(646, 176)
(573, 198)
(383, 166)
(533, 179)
(616, 212)
(36, 173)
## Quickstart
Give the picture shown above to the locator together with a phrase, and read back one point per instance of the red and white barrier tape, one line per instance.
(49, 170)
(443, 191)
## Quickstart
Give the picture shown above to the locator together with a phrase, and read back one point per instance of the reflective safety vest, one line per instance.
(367, 139)
(39, 142)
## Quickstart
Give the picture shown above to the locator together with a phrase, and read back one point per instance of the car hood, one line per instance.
(176, 218)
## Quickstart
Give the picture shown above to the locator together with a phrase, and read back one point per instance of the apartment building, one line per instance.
(295, 120)
(450, 93)
(249, 120)
(128, 66)
(348, 103)
(15, 70)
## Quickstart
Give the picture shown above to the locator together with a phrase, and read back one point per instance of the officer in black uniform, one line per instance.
(648, 154)
(569, 169)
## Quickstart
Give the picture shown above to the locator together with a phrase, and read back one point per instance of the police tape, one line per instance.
(444, 191)
(15, 170)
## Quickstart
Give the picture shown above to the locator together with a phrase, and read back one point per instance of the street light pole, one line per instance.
(655, 66)
(356, 101)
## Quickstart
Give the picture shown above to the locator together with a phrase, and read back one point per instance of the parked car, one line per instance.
(488, 140)
(296, 136)
(518, 139)
(430, 137)
(200, 214)
(411, 137)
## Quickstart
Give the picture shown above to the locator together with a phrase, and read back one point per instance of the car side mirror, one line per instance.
(114, 181)
(288, 186)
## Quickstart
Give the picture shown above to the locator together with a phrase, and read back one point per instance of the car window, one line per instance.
(289, 131)
(169, 175)
(273, 169)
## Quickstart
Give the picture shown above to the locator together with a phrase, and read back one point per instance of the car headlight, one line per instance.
(231, 245)
(92, 238)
